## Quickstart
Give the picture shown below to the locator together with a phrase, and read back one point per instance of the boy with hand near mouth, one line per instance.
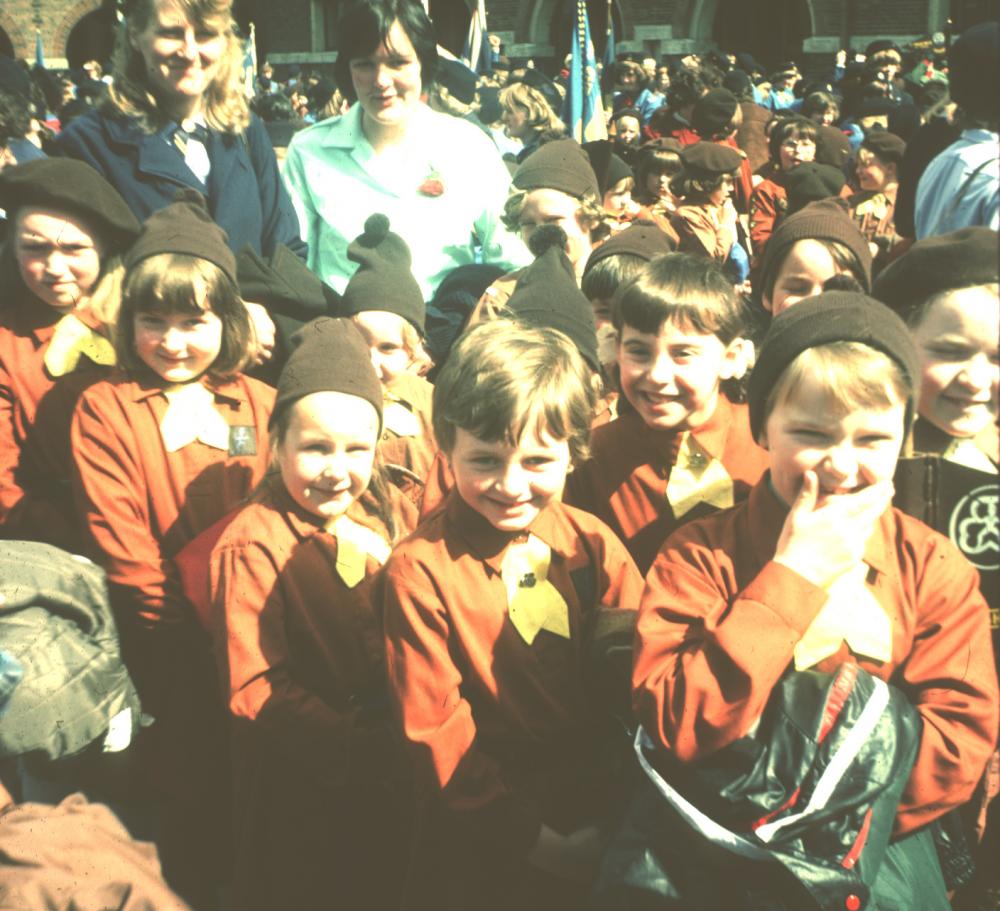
(816, 570)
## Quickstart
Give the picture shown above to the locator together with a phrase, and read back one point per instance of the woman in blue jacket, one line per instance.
(176, 117)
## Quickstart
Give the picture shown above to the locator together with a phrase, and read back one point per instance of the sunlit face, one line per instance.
(848, 452)
(794, 151)
(178, 347)
(672, 378)
(807, 265)
(510, 485)
(723, 191)
(58, 256)
(388, 81)
(960, 372)
(328, 451)
(874, 173)
(182, 57)
(384, 333)
(628, 130)
(618, 198)
(515, 121)
(553, 207)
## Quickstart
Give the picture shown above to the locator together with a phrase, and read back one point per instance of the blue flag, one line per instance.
(39, 56)
(583, 112)
(609, 47)
(249, 79)
(476, 54)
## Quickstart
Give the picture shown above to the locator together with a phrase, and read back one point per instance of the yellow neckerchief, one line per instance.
(697, 477)
(397, 416)
(73, 339)
(355, 544)
(533, 603)
(852, 614)
(964, 451)
(191, 415)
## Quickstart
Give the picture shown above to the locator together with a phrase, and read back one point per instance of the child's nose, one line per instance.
(978, 373)
(662, 371)
(511, 481)
(841, 463)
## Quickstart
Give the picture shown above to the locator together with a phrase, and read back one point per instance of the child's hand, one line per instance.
(822, 540)
(262, 343)
(573, 857)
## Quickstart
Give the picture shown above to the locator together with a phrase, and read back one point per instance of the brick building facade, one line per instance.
(304, 31)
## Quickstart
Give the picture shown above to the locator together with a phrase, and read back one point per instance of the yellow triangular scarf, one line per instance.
(355, 544)
(852, 614)
(398, 418)
(191, 415)
(72, 340)
(696, 478)
(533, 603)
(966, 452)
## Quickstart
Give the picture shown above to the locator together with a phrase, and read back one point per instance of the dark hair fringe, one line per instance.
(364, 27)
(602, 280)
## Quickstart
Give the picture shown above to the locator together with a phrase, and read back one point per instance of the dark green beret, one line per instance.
(887, 146)
(809, 182)
(560, 165)
(710, 159)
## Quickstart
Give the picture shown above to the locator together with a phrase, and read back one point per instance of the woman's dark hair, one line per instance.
(364, 27)
(686, 87)
(789, 128)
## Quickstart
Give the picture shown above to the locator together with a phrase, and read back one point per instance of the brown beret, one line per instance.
(329, 355)
(887, 146)
(662, 144)
(946, 262)
(713, 112)
(560, 165)
(184, 227)
(710, 159)
(383, 280)
(833, 316)
(823, 220)
(809, 182)
(832, 146)
(74, 187)
(641, 238)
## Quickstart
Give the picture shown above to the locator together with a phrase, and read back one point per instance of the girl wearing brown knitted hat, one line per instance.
(322, 792)
(164, 448)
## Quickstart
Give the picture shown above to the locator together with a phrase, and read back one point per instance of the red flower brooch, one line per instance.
(432, 185)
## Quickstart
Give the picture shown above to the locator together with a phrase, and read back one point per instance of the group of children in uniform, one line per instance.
(417, 710)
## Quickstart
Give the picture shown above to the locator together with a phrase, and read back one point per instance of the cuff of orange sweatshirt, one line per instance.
(792, 598)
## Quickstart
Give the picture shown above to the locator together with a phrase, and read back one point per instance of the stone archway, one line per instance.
(15, 36)
(61, 33)
(771, 30)
(535, 18)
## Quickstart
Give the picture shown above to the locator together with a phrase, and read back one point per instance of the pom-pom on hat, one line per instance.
(184, 227)
(547, 294)
(328, 355)
(383, 280)
(710, 159)
(70, 186)
(823, 220)
(713, 112)
(887, 146)
(642, 239)
(559, 165)
(946, 262)
(833, 316)
(810, 182)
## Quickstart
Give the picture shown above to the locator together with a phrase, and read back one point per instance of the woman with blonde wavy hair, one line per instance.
(527, 115)
(176, 116)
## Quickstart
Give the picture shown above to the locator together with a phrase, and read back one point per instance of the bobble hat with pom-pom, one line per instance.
(383, 280)
(547, 294)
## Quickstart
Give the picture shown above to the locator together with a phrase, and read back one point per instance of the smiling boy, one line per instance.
(487, 608)
(816, 570)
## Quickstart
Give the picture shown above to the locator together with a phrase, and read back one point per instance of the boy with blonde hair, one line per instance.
(817, 572)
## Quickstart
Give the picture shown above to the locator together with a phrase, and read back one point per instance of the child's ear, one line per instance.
(737, 359)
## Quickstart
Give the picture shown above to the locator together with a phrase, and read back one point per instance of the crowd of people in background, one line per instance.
(406, 504)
